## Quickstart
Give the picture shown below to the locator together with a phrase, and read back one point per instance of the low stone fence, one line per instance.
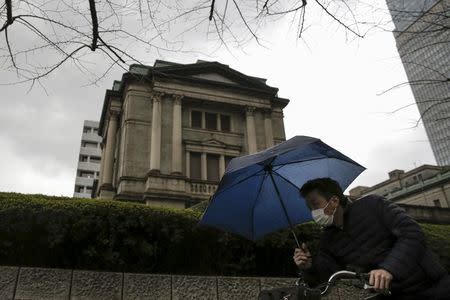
(40, 283)
(427, 214)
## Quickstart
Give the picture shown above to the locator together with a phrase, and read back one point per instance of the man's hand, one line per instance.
(380, 279)
(302, 257)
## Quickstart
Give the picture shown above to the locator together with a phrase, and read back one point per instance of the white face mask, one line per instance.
(321, 218)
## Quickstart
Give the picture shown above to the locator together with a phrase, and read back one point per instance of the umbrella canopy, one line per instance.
(259, 193)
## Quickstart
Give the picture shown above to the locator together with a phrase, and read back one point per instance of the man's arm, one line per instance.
(410, 244)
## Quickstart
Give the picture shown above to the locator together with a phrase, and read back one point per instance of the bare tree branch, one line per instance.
(94, 24)
(337, 20)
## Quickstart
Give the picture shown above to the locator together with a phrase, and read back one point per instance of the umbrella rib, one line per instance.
(254, 204)
(291, 225)
(287, 180)
(240, 181)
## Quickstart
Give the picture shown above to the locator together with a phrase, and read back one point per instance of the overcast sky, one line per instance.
(332, 83)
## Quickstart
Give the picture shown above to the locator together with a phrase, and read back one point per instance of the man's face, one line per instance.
(315, 200)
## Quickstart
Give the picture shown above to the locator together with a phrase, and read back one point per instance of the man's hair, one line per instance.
(326, 187)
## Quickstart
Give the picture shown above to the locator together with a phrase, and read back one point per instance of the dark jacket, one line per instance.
(378, 234)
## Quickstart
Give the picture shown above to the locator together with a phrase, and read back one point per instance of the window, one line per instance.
(87, 174)
(225, 123)
(213, 167)
(95, 159)
(211, 121)
(89, 190)
(195, 165)
(84, 158)
(86, 129)
(196, 119)
(96, 130)
(437, 203)
(79, 189)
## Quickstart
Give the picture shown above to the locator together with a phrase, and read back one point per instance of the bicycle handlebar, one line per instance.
(339, 275)
(351, 275)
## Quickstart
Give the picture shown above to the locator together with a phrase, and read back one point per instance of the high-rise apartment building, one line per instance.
(88, 167)
(170, 130)
(422, 35)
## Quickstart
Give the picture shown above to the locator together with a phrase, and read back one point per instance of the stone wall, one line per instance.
(40, 283)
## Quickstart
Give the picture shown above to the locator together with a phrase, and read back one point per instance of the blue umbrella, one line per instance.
(259, 193)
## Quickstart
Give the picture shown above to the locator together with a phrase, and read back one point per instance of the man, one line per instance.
(375, 236)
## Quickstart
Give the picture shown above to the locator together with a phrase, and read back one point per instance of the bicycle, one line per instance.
(344, 284)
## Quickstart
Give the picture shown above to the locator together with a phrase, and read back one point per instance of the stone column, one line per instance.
(445, 196)
(177, 143)
(155, 144)
(222, 165)
(109, 151)
(102, 163)
(268, 128)
(188, 164)
(218, 123)
(251, 130)
(204, 167)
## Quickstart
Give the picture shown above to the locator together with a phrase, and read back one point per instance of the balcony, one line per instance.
(88, 166)
(201, 188)
(84, 181)
(90, 151)
(91, 137)
(81, 195)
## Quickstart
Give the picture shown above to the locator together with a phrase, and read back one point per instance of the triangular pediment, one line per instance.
(213, 143)
(215, 73)
(215, 77)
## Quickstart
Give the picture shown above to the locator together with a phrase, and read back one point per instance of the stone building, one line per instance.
(88, 167)
(424, 186)
(170, 130)
(422, 35)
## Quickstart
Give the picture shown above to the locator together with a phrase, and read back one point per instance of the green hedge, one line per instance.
(37, 230)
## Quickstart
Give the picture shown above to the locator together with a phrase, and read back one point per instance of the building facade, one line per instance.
(424, 186)
(88, 168)
(423, 40)
(169, 130)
